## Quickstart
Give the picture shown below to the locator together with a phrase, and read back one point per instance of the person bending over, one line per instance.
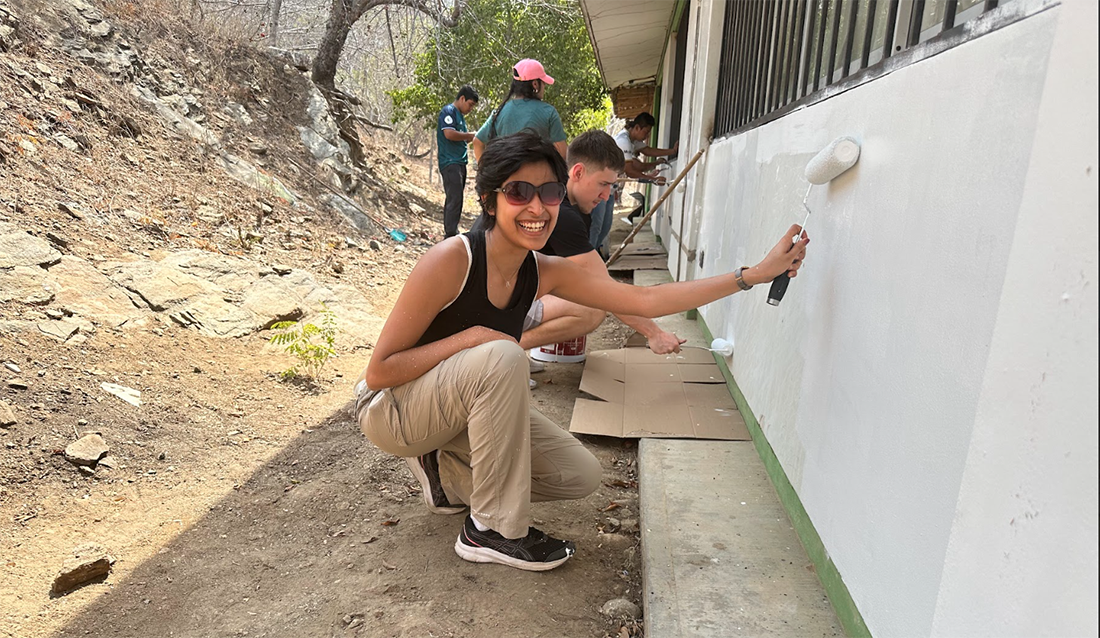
(446, 386)
(594, 164)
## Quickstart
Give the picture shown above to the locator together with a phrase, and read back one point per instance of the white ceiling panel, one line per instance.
(628, 37)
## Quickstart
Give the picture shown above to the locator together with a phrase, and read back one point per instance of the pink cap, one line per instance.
(527, 69)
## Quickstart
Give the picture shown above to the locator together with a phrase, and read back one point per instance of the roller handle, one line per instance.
(778, 289)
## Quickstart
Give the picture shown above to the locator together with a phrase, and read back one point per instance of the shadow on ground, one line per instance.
(330, 538)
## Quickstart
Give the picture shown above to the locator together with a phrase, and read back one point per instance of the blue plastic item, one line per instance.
(397, 235)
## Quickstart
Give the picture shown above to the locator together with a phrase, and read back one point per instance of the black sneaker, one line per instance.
(535, 552)
(426, 470)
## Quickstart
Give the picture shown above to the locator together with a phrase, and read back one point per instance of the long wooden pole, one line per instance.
(668, 191)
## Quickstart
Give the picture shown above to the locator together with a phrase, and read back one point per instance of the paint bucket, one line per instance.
(571, 351)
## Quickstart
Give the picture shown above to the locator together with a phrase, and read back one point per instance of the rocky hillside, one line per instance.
(165, 197)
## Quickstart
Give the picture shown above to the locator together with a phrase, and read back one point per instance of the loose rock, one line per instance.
(87, 564)
(7, 417)
(129, 395)
(87, 450)
(620, 608)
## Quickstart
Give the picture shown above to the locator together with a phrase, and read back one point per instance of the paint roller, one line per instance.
(834, 159)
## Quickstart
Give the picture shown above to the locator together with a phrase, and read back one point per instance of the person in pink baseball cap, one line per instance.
(523, 109)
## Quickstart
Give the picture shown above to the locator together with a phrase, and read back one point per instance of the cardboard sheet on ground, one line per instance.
(660, 396)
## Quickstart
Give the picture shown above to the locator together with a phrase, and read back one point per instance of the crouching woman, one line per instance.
(446, 387)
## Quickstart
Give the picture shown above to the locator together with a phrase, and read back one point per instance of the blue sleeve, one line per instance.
(443, 115)
(483, 132)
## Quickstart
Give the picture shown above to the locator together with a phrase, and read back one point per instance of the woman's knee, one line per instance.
(501, 358)
(587, 475)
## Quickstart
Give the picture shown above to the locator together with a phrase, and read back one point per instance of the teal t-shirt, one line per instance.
(520, 114)
(450, 152)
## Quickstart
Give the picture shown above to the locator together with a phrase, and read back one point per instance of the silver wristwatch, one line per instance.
(740, 279)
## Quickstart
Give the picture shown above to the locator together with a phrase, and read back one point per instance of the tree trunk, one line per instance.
(273, 22)
(341, 17)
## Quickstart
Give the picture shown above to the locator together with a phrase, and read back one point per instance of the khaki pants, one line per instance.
(496, 453)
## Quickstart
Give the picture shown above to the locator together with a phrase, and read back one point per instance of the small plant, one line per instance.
(312, 345)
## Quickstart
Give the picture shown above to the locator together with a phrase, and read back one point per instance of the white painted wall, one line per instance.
(900, 382)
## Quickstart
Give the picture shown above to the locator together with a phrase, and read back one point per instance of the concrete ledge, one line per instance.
(719, 555)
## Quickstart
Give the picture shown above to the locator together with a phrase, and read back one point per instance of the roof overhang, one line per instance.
(628, 37)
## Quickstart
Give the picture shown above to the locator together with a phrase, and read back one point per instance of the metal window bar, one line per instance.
(821, 41)
(782, 41)
(775, 52)
(726, 68)
(915, 24)
(949, 12)
(743, 48)
(891, 24)
(850, 38)
(869, 36)
(812, 10)
(834, 40)
(762, 61)
(793, 86)
(793, 51)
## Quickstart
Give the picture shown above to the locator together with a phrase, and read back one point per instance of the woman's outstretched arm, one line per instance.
(433, 283)
(569, 281)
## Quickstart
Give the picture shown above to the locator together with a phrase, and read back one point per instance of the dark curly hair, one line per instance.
(502, 158)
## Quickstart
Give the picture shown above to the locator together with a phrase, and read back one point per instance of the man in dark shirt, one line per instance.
(594, 162)
(451, 140)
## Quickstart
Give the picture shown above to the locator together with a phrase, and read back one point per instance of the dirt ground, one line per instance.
(282, 521)
(240, 504)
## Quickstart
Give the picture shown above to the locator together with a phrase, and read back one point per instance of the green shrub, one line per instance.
(310, 344)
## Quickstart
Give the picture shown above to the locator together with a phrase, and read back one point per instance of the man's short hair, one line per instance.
(467, 92)
(642, 119)
(596, 150)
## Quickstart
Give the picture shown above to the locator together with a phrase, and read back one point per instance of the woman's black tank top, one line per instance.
(472, 306)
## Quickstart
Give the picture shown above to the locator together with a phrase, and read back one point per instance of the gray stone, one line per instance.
(108, 462)
(54, 313)
(72, 208)
(620, 608)
(67, 142)
(87, 450)
(100, 30)
(28, 284)
(14, 368)
(272, 300)
(17, 384)
(160, 287)
(61, 329)
(88, 563)
(17, 248)
(85, 291)
(129, 395)
(374, 245)
(7, 417)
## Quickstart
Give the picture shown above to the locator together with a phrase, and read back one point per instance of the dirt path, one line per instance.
(247, 506)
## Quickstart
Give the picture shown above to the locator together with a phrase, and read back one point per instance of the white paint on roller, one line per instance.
(834, 159)
(722, 346)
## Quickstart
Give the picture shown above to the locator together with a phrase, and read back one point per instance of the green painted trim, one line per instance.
(835, 589)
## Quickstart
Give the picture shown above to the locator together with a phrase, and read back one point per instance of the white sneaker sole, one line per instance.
(425, 488)
(486, 555)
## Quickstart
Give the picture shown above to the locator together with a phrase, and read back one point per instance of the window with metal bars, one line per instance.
(776, 52)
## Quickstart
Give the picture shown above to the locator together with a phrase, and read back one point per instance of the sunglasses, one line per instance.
(520, 193)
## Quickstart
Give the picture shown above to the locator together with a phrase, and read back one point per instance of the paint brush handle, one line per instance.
(778, 289)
